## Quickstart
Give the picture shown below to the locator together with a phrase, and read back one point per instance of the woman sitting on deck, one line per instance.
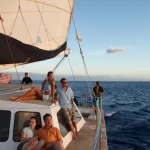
(27, 135)
(47, 91)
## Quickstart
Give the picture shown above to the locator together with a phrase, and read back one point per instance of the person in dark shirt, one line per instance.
(97, 92)
(26, 79)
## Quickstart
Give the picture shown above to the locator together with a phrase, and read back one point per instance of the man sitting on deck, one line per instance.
(26, 79)
(66, 97)
(51, 135)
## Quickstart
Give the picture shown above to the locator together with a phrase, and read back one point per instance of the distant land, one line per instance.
(38, 76)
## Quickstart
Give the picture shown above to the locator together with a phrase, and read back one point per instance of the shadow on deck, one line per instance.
(86, 137)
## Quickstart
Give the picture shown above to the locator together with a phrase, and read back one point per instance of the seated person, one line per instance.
(27, 135)
(66, 100)
(47, 91)
(26, 79)
(51, 135)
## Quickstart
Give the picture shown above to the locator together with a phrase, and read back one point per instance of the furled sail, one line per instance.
(36, 30)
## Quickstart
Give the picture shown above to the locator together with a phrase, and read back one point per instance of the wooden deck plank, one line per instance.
(86, 137)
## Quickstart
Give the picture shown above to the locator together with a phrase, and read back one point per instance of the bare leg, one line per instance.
(75, 126)
(35, 92)
(27, 146)
(40, 145)
(58, 145)
(33, 97)
(32, 91)
(73, 131)
(13, 97)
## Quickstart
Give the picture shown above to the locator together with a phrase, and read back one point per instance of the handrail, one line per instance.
(96, 145)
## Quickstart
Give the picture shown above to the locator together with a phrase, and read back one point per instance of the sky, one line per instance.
(117, 25)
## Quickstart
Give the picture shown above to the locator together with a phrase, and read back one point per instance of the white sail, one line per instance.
(42, 24)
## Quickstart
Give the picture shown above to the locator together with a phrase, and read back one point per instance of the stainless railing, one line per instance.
(97, 141)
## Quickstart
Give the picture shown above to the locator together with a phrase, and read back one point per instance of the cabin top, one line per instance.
(7, 90)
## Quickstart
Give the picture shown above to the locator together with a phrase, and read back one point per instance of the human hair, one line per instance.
(46, 115)
(26, 73)
(97, 82)
(50, 72)
(62, 79)
(33, 118)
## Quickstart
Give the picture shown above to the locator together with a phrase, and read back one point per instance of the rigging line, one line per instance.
(86, 71)
(14, 22)
(59, 63)
(78, 40)
(51, 6)
(45, 24)
(57, 21)
(71, 69)
(70, 19)
(9, 48)
(26, 27)
(19, 3)
(40, 23)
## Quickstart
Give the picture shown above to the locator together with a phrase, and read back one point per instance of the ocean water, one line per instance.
(127, 112)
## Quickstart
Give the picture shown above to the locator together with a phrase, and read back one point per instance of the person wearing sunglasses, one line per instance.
(66, 100)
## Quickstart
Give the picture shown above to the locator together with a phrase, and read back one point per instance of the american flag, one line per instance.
(5, 78)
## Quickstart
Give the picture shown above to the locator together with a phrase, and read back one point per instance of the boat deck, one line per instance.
(87, 133)
(7, 90)
(86, 137)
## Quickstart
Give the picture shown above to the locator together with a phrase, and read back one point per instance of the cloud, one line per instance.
(115, 50)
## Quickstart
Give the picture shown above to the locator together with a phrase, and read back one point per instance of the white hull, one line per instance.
(15, 107)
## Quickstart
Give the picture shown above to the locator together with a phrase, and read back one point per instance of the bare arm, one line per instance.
(72, 100)
(53, 90)
(93, 93)
(43, 84)
(101, 93)
(23, 136)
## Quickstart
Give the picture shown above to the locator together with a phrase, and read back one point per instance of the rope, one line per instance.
(45, 25)
(85, 68)
(9, 48)
(59, 63)
(15, 21)
(40, 23)
(26, 27)
(71, 69)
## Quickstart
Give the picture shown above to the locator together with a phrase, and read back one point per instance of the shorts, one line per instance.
(69, 114)
(94, 102)
(46, 97)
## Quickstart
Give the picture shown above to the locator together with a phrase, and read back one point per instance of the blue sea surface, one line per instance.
(127, 112)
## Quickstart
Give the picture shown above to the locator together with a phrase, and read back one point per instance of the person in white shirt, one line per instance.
(66, 100)
(27, 135)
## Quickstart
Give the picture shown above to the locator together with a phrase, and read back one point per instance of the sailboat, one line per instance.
(31, 31)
